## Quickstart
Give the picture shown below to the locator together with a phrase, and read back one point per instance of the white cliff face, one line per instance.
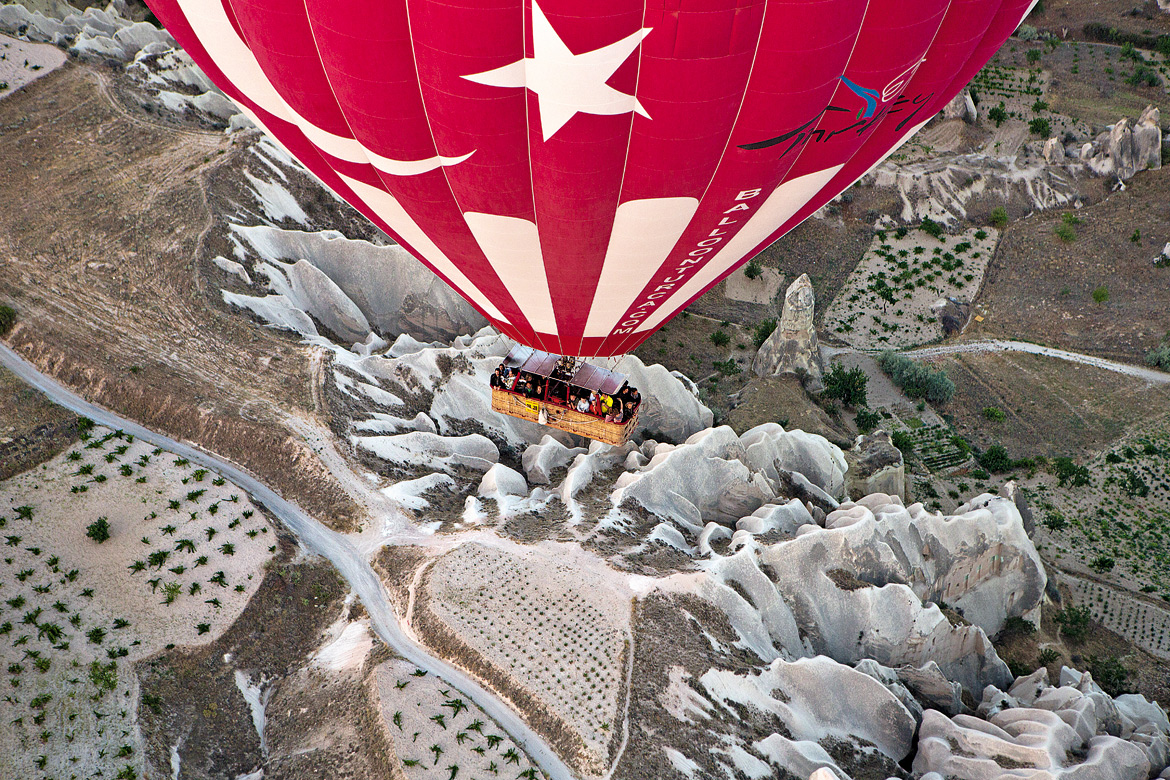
(716, 476)
(1072, 731)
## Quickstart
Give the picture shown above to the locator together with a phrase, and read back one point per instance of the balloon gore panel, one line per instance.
(581, 172)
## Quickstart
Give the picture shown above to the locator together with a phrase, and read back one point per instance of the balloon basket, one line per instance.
(567, 420)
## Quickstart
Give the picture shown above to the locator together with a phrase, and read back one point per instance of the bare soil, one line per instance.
(32, 429)
(1040, 288)
(1067, 18)
(1052, 407)
(189, 696)
(101, 266)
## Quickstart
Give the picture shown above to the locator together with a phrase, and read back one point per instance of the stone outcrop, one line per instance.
(1053, 151)
(395, 293)
(1127, 148)
(1072, 731)
(716, 476)
(792, 348)
(875, 466)
(962, 106)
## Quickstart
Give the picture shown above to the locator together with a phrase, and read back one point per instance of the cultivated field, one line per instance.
(185, 551)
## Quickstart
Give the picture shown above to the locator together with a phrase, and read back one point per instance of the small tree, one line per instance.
(847, 386)
(1040, 126)
(1101, 294)
(763, 331)
(98, 530)
(753, 269)
(7, 319)
(995, 459)
(999, 217)
(1073, 622)
(997, 114)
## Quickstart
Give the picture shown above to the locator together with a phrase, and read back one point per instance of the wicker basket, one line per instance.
(563, 419)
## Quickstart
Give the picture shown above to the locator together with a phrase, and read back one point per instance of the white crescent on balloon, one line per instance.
(413, 167)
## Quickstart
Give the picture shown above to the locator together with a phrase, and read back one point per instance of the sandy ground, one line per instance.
(921, 270)
(436, 734)
(69, 602)
(22, 62)
(560, 636)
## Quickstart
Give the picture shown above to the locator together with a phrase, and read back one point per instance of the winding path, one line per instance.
(996, 345)
(322, 541)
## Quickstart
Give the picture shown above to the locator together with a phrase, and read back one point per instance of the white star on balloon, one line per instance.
(567, 84)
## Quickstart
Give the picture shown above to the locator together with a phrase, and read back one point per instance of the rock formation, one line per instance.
(962, 106)
(1127, 148)
(875, 466)
(1074, 731)
(394, 292)
(792, 347)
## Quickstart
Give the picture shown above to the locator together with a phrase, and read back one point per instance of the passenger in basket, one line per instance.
(606, 403)
(633, 398)
(497, 380)
(582, 404)
(594, 403)
(615, 414)
(536, 389)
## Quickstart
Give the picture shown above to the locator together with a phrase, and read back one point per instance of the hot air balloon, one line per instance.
(581, 171)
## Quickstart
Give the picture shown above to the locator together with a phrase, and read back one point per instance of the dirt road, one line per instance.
(996, 345)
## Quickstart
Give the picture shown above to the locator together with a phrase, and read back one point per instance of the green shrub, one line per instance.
(916, 380)
(904, 442)
(1143, 76)
(847, 386)
(720, 338)
(1016, 626)
(1040, 126)
(1074, 623)
(997, 114)
(999, 217)
(1102, 564)
(1048, 655)
(1033, 56)
(1110, 674)
(1159, 356)
(98, 530)
(866, 420)
(995, 459)
(1055, 521)
(1068, 472)
(753, 269)
(1101, 294)
(1136, 237)
(994, 413)
(7, 319)
(931, 227)
(763, 331)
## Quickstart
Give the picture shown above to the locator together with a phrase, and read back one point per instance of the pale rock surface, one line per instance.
(316, 294)
(875, 466)
(395, 292)
(770, 449)
(715, 476)
(1053, 151)
(846, 582)
(444, 453)
(962, 106)
(500, 480)
(542, 459)
(793, 345)
(1127, 148)
(818, 698)
(1072, 731)
(135, 37)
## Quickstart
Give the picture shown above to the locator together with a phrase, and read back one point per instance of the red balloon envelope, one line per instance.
(581, 170)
